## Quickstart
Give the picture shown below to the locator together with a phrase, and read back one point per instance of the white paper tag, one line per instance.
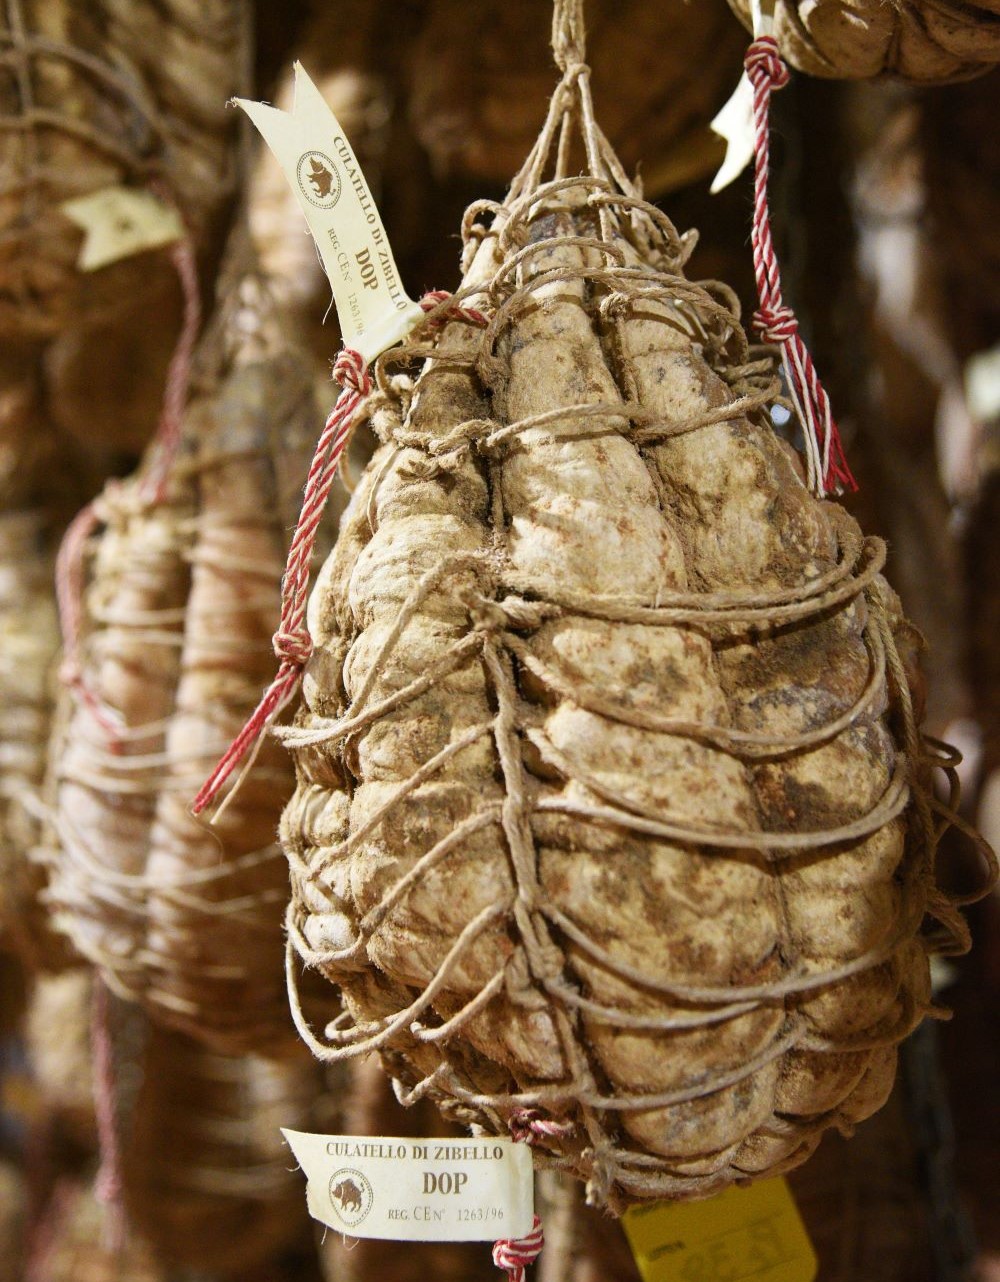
(734, 122)
(120, 222)
(982, 384)
(324, 174)
(417, 1190)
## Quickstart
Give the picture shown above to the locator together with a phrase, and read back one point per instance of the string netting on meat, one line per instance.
(614, 824)
(170, 594)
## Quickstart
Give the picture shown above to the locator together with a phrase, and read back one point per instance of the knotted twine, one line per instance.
(513, 1255)
(827, 471)
(292, 645)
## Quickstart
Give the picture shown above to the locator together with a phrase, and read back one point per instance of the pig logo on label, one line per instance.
(351, 1195)
(319, 179)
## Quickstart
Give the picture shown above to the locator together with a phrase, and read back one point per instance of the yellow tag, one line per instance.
(324, 174)
(753, 1232)
(120, 222)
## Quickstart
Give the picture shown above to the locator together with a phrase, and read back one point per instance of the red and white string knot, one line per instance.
(513, 1255)
(775, 324)
(294, 647)
(529, 1126)
(763, 62)
(432, 300)
(350, 370)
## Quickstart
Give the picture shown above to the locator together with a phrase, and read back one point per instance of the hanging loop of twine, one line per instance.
(827, 470)
(513, 1255)
(569, 46)
(175, 393)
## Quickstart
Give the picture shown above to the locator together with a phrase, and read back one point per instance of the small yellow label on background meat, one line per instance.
(119, 222)
(744, 1233)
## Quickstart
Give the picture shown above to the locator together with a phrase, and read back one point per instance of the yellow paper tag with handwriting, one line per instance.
(753, 1233)
(323, 172)
(119, 222)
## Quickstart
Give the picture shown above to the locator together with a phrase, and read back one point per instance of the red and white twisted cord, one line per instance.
(513, 1255)
(826, 466)
(529, 1126)
(292, 642)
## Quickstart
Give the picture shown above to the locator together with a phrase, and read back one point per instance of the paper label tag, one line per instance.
(120, 222)
(753, 1232)
(734, 122)
(423, 1190)
(323, 172)
(982, 384)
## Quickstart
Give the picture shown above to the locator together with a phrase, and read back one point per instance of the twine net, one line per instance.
(612, 802)
(29, 644)
(221, 1196)
(170, 593)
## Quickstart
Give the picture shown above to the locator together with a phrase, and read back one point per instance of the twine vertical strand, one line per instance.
(569, 45)
(69, 602)
(827, 468)
(513, 1255)
(292, 642)
(69, 577)
(175, 392)
(109, 1185)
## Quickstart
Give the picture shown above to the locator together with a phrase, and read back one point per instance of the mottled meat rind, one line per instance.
(569, 511)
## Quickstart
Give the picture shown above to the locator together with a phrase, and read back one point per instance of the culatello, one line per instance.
(613, 819)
